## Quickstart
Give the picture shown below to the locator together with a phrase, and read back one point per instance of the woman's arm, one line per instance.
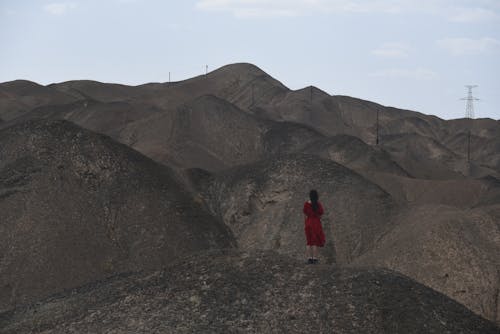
(305, 210)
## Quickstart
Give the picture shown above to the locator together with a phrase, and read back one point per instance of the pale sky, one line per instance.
(412, 54)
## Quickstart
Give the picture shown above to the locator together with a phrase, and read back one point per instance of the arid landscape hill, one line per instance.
(262, 204)
(228, 158)
(138, 109)
(221, 292)
(76, 207)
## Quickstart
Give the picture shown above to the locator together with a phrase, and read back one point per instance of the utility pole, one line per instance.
(468, 147)
(253, 96)
(168, 77)
(206, 69)
(377, 127)
(311, 94)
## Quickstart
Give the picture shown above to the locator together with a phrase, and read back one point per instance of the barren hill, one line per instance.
(454, 251)
(423, 157)
(438, 146)
(88, 89)
(250, 149)
(433, 228)
(207, 132)
(484, 150)
(20, 96)
(354, 153)
(249, 292)
(233, 83)
(460, 193)
(262, 204)
(76, 207)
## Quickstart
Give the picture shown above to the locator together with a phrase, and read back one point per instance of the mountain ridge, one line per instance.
(240, 143)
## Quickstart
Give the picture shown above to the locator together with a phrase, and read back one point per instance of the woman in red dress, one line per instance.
(313, 210)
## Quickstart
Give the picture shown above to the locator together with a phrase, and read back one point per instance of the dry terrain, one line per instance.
(100, 179)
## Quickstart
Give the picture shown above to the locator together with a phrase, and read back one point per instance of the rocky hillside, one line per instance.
(262, 204)
(449, 249)
(425, 146)
(355, 154)
(444, 234)
(238, 153)
(21, 96)
(251, 293)
(75, 207)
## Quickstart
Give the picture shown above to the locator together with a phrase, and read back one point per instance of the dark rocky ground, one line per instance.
(238, 142)
(262, 204)
(447, 246)
(228, 292)
(450, 250)
(76, 206)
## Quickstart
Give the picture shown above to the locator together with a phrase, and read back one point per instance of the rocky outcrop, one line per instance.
(76, 207)
(249, 292)
(262, 204)
(452, 250)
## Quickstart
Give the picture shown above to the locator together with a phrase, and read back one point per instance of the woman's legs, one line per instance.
(315, 252)
(312, 253)
(309, 254)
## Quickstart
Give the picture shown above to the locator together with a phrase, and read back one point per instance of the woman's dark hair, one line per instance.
(313, 196)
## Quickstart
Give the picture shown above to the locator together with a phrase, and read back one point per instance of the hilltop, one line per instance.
(75, 207)
(260, 292)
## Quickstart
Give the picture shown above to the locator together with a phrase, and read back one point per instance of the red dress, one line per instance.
(313, 228)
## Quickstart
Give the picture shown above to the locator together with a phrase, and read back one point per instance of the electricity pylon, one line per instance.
(469, 113)
(469, 107)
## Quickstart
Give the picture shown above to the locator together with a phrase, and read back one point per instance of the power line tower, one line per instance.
(469, 113)
(469, 108)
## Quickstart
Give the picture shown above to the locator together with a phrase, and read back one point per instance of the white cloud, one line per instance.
(59, 8)
(478, 10)
(469, 46)
(257, 8)
(275, 8)
(472, 15)
(392, 50)
(415, 74)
